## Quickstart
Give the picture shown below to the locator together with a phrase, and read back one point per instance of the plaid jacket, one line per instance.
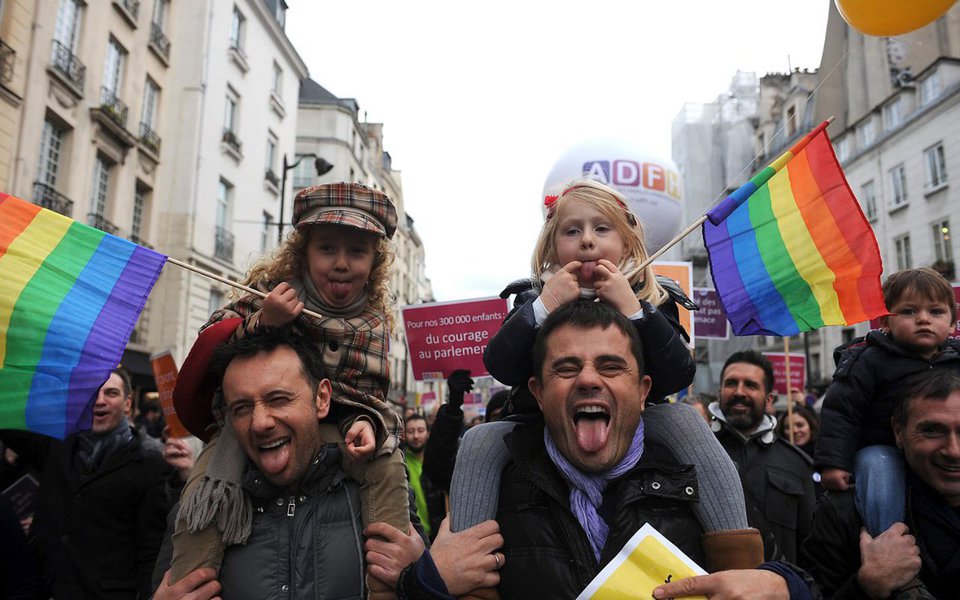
(355, 356)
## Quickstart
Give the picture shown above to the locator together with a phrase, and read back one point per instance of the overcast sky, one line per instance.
(479, 100)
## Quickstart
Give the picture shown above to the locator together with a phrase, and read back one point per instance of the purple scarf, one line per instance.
(586, 489)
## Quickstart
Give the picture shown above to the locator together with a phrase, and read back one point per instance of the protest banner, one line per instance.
(445, 336)
(165, 376)
(710, 321)
(798, 371)
(682, 273)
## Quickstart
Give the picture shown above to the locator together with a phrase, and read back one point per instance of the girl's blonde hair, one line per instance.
(290, 260)
(613, 205)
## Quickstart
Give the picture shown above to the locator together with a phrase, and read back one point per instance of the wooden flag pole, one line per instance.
(230, 282)
(786, 360)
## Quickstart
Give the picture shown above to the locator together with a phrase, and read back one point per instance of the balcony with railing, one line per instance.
(68, 67)
(98, 221)
(46, 196)
(113, 107)
(8, 56)
(232, 142)
(272, 178)
(159, 42)
(149, 140)
(223, 244)
(129, 9)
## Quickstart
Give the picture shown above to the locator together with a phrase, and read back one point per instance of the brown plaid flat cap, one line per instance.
(347, 204)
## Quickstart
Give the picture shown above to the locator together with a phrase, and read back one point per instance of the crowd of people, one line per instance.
(300, 481)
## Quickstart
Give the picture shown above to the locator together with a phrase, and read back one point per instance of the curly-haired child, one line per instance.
(336, 264)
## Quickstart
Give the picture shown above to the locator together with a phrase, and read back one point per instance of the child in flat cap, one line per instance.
(335, 263)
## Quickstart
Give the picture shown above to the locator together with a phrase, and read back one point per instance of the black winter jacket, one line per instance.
(859, 403)
(97, 534)
(509, 355)
(833, 549)
(547, 552)
(305, 545)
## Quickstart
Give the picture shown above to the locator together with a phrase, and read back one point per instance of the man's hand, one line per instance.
(459, 383)
(201, 584)
(614, 289)
(178, 455)
(466, 560)
(360, 440)
(888, 561)
(388, 551)
(563, 288)
(728, 585)
(835, 479)
(280, 307)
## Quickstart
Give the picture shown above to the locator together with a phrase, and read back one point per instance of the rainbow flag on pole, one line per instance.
(791, 251)
(69, 297)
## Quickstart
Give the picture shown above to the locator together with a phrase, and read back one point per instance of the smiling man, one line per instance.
(305, 536)
(776, 475)
(847, 562)
(102, 505)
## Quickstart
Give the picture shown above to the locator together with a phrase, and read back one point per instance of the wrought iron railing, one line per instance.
(46, 196)
(97, 220)
(223, 244)
(131, 6)
(113, 106)
(7, 58)
(67, 64)
(272, 178)
(231, 139)
(159, 40)
(149, 138)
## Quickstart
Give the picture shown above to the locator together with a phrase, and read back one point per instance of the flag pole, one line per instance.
(703, 218)
(786, 360)
(230, 282)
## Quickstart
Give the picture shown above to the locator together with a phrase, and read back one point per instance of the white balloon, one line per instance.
(650, 183)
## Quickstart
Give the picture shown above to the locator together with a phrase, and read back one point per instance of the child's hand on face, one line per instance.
(835, 479)
(614, 289)
(563, 288)
(280, 307)
(360, 439)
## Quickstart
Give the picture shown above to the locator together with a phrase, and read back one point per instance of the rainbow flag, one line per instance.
(791, 251)
(69, 297)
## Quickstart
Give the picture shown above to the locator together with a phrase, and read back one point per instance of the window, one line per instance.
(893, 114)
(113, 67)
(936, 166)
(237, 27)
(842, 147)
(160, 13)
(867, 133)
(224, 191)
(139, 208)
(230, 111)
(151, 99)
(277, 80)
(942, 248)
(68, 24)
(868, 199)
(847, 335)
(51, 149)
(265, 232)
(904, 258)
(791, 121)
(929, 88)
(215, 302)
(271, 153)
(101, 185)
(304, 173)
(898, 185)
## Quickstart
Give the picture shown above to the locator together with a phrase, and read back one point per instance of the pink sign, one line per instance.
(798, 371)
(445, 336)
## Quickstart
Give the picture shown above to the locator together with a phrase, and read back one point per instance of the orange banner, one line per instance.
(165, 376)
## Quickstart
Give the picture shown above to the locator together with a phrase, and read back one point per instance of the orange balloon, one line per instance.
(891, 17)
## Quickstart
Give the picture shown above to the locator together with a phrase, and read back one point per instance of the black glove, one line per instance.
(459, 383)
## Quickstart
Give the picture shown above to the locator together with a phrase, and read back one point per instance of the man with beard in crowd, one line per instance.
(428, 500)
(776, 475)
